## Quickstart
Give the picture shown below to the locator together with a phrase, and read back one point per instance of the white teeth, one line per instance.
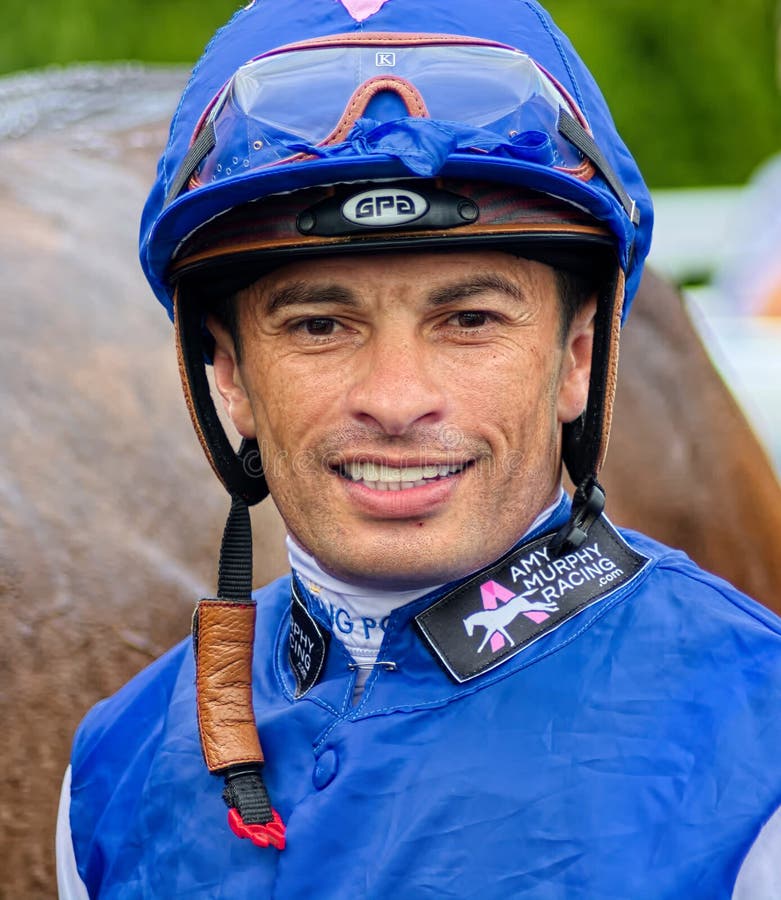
(371, 472)
(390, 478)
(388, 474)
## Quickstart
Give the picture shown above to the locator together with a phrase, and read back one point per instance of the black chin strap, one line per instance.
(250, 812)
(588, 504)
(585, 439)
(234, 576)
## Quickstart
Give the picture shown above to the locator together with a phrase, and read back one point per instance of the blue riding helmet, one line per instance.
(313, 127)
(298, 96)
(277, 116)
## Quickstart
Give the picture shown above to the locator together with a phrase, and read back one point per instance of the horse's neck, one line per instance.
(514, 604)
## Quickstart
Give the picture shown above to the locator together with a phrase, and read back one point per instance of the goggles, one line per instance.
(487, 98)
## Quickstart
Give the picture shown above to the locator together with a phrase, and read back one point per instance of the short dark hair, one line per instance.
(226, 311)
(575, 288)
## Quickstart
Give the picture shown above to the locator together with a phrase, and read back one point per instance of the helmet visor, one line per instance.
(288, 103)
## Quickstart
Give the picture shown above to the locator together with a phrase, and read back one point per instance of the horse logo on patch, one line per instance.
(501, 607)
(548, 590)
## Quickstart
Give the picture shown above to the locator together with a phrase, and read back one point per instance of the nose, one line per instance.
(396, 385)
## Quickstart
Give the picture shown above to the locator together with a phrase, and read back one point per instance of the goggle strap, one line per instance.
(203, 144)
(576, 134)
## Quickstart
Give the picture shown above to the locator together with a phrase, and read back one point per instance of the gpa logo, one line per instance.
(384, 208)
(501, 607)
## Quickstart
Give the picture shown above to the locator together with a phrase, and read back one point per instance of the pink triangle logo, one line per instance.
(493, 594)
(362, 9)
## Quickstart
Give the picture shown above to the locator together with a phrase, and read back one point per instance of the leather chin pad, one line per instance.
(225, 633)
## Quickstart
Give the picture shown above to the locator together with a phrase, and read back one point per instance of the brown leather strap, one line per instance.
(611, 371)
(224, 635)
(187, 385)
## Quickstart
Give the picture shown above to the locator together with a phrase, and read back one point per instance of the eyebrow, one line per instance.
(471, 287)
(299, 292)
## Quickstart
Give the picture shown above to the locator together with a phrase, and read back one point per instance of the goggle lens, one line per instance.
(260, 118)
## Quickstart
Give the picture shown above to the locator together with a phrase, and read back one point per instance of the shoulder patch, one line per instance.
(527, 594)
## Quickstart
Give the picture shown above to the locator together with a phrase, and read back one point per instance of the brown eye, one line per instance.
(471, 319)
(319, 327)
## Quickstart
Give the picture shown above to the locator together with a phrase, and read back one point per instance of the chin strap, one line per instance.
(585, 440)
(224, 627)
(588, 504)
(223, 640)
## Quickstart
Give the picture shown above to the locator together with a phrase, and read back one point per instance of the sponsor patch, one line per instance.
(392, 207)
(527, 594)
(307, 645)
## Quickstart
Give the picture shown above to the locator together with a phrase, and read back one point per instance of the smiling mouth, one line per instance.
(380, 477)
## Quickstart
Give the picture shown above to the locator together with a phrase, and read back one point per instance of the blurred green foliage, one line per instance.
(692, 84)
(60, 31)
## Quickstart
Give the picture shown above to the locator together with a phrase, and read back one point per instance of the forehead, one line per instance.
(416, 272)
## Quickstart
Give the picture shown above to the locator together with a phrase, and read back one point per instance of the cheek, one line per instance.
(515, 395)
(289, 400)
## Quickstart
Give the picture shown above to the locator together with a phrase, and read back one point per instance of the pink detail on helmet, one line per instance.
(362, 9)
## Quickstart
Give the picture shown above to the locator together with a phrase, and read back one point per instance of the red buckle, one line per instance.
(272, 832)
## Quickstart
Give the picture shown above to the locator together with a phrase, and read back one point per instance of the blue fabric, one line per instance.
(424, 145)
(630, 753)
(265, 25)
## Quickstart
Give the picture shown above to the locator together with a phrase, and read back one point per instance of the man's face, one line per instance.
(408, 406)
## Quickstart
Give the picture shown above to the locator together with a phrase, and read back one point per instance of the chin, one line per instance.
(399, 568)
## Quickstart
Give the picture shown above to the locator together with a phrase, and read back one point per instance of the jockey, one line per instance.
(405, 237)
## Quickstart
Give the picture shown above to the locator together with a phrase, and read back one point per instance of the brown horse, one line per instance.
(683, 464)
(111, 517)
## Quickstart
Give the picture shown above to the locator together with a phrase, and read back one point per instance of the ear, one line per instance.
(576, 363)
(227, 378)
